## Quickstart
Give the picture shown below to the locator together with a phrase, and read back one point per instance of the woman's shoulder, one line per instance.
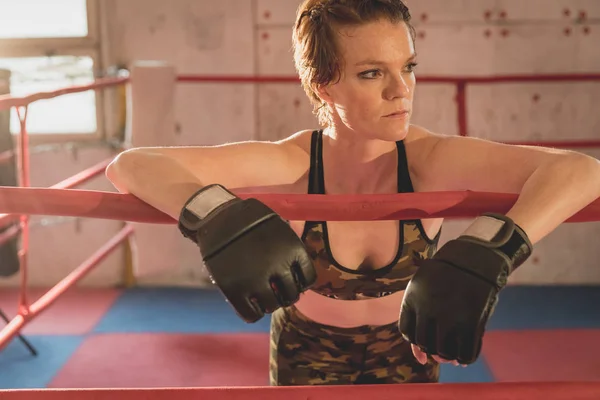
(298, 142)
(419, 136)
(419, 144)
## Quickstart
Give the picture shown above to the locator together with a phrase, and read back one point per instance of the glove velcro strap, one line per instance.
(499, 232)
(208, 199)
(484, 262)
(202, 205)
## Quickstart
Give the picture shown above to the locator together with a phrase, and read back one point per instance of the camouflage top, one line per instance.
(336, 281)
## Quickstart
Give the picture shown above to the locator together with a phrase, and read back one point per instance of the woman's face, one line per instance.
(374, 96)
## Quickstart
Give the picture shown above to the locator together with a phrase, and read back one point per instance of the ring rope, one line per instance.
(299, 207)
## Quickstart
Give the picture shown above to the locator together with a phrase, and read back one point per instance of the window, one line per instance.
(68, 114)
(43, 19)
(49, 45)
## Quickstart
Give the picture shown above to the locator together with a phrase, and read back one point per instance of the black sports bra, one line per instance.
(337, 281)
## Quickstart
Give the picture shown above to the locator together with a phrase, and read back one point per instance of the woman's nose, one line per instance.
(398, 86)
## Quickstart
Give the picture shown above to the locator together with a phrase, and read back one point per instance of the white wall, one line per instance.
(247, 37)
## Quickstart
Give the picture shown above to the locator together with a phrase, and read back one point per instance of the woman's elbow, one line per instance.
(121, 169)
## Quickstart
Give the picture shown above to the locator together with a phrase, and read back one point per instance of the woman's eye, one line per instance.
(371, 74)
(411, 67)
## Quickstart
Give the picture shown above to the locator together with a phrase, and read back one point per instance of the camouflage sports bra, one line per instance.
(336, 281)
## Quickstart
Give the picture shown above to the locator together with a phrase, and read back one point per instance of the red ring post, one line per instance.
(27, 312)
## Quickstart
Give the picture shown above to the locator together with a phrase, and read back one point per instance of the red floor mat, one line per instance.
(76, 312)
(167, 360)
(549, 355)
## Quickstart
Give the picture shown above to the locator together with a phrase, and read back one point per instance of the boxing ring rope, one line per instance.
(413, 391)
(68, 183)
(7, 101)
(18, 203)
(295, 207)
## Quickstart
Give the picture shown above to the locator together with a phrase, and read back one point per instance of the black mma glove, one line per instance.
(252, 255)
(449, 300)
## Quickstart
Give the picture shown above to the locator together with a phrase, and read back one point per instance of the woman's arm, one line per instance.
(554, 192)
(166, 177)
(154, 178)
(552, 184)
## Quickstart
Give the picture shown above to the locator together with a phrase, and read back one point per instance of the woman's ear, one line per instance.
(323, 93)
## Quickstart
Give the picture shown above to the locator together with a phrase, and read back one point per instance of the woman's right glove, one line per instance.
(252, 255)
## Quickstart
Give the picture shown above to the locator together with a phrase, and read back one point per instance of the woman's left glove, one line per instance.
(449, 300)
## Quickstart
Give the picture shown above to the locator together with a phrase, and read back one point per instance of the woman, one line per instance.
(356, 60)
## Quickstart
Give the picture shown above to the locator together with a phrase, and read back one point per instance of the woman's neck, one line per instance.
(355, 164)
(355, 147)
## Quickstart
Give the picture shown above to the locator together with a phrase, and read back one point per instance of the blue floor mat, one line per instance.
(175, 310)
(548, 307)
(21, 370)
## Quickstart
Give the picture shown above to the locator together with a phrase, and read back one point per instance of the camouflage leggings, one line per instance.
(304, 352)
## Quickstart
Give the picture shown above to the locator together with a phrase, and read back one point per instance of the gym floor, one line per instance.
(174, 337)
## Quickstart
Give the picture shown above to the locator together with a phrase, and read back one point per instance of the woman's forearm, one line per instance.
(154, 178)
(554, 192)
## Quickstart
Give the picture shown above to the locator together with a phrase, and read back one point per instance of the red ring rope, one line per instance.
(300, 207)
(7, 101)
(428, 79)
(413, 391)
